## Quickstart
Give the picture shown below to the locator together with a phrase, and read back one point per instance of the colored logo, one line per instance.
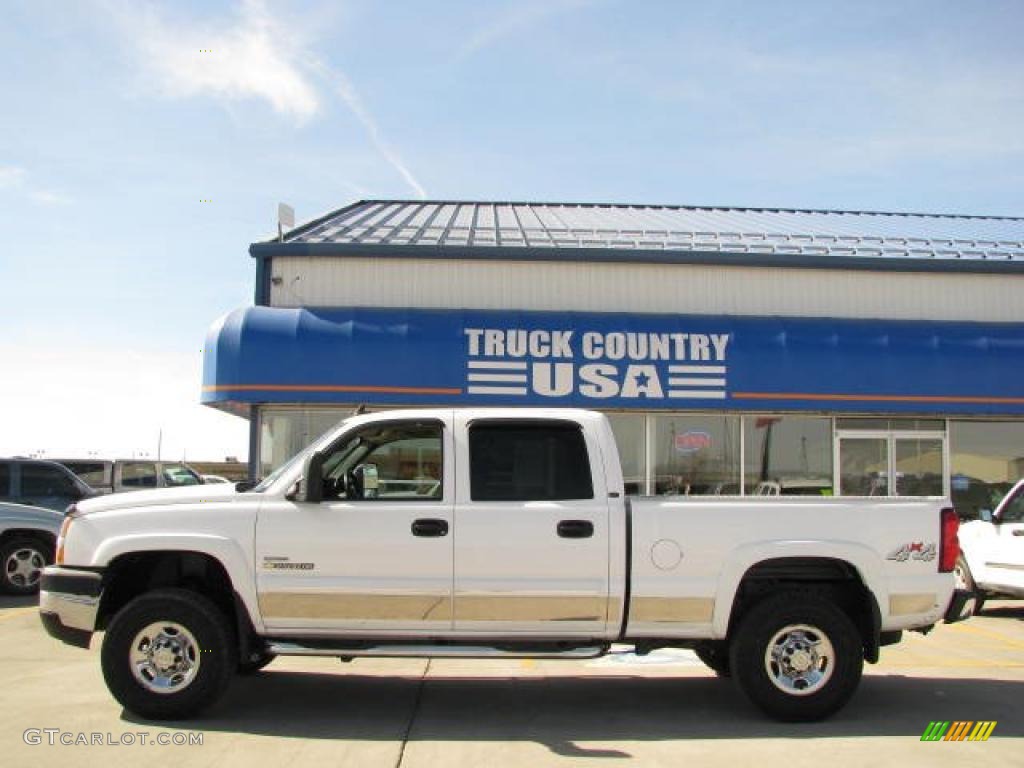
(959, 730)
(916, 550)
(693, 441)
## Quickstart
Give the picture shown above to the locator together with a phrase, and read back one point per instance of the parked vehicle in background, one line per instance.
(98, 474)
(28, 539)
(39, 483)
(992, 550)
(108, 476)
(491, 533)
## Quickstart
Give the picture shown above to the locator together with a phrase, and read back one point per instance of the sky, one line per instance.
(145, 145)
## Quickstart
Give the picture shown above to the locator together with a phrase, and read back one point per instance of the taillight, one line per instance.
(949, 544)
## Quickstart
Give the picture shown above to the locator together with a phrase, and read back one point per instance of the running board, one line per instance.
(437, 651)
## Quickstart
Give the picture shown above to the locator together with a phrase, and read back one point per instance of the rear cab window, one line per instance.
(528, 461)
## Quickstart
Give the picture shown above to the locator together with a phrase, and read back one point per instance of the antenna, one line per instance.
(285, 219)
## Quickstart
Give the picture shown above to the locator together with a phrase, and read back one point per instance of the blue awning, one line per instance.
(612, 361)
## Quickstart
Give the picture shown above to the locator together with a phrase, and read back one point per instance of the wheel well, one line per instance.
(131, 575)
(30, 533)
(837, 580)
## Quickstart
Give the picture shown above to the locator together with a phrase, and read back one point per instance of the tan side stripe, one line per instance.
(901, 605)
(539, 608)
(301, 605)
(687, 610)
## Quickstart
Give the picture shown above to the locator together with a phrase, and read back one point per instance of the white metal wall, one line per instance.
(648, 288)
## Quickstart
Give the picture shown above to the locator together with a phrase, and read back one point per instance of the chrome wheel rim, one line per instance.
(959, 577)
(24, 567)
(164, 657)
(799, 659)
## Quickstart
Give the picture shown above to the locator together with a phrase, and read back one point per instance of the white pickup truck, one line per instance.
(490, 533)
(992, 561)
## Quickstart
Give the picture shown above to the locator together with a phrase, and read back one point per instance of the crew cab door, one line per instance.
(364, 559)
(531, 529)
(1004, 558)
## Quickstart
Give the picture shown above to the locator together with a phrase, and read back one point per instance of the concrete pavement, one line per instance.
(661, 710)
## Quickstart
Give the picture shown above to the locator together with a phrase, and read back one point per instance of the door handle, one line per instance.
(575, 529)
(429, 528)
(1018, 532)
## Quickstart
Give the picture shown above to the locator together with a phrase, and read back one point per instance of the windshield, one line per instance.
(177, 474)
(296, 460)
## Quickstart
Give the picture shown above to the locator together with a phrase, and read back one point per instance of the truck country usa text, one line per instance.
(557, 363)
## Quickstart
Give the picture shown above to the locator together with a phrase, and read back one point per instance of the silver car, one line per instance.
(28, 541)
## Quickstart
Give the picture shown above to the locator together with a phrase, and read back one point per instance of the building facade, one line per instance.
(737, 351)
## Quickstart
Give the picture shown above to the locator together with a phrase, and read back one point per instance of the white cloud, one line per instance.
(72, 399)
(48, 197)
(15, 178)
(11, 176)
(253, 55)
(348, 94)
(513, 19)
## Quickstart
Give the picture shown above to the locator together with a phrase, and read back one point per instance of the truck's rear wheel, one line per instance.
(168, 654)
(797, 656)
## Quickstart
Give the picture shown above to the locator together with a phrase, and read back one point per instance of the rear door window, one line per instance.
(528, 461)
(5, 479)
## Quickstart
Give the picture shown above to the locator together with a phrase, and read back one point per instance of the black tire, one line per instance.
(251, 665)
(753, 641)
(216, 653)
(965, 580)
(22, 559)
(716, 657)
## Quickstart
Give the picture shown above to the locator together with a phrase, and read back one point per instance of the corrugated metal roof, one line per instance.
(642, 232)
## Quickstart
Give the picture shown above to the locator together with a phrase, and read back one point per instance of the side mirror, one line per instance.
(244, 485)
(367, 481)
(313, 479)
(986, 515)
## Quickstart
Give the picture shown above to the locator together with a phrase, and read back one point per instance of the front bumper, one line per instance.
(69, 600)
(961, 606)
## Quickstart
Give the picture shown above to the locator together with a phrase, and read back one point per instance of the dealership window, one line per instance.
(631, 439)
(986, 459)
(286, 431)
(787, 455)
(696, 454)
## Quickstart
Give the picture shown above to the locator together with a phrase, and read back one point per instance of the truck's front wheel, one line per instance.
(168, 654)
(797, 656)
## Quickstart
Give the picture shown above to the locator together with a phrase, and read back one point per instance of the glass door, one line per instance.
(891, 462)
(863, 465)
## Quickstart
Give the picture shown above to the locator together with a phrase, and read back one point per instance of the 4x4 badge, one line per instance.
(916, 550)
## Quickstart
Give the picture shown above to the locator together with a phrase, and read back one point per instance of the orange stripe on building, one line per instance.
(332, 388)
(877, 398)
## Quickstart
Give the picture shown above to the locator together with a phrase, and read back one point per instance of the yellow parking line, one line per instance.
(988, 633)
(18, 612)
